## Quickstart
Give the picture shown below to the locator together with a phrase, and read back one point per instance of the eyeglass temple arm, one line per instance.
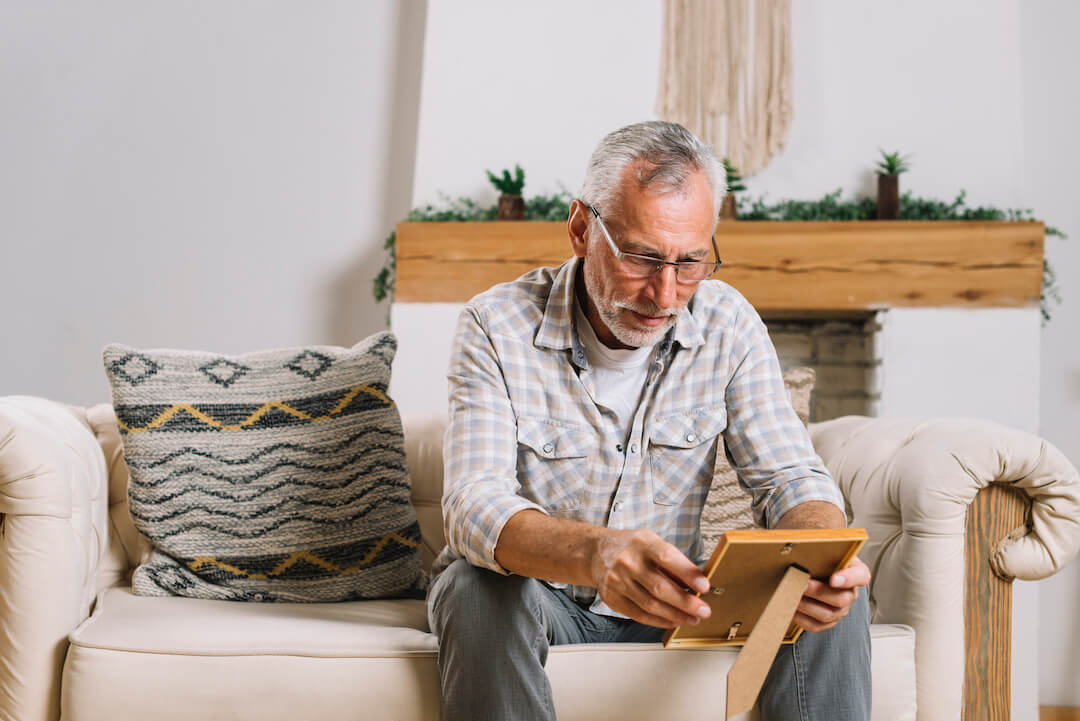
(716, 252)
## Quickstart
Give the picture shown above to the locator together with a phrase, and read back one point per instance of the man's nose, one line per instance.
(663, 286)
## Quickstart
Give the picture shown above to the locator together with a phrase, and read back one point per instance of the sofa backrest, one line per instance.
(423, 454)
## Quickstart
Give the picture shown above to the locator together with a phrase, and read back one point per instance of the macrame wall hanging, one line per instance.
(726, 75)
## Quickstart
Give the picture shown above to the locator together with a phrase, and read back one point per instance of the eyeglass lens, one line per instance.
(687, 271)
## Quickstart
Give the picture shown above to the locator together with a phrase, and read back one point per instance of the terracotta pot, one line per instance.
(888, 197)
(727, 208)
(511, 207)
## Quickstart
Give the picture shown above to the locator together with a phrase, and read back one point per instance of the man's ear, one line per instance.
(577, 227)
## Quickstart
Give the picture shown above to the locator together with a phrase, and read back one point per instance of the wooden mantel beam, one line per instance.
(778, 266)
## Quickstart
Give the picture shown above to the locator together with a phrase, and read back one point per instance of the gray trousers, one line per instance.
(510, 622)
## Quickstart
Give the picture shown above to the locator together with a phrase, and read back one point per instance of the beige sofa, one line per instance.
(953, 508)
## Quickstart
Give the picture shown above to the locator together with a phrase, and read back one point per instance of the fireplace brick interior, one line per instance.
(845, 355)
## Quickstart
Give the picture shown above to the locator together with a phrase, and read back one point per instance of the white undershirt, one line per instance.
(617, 375)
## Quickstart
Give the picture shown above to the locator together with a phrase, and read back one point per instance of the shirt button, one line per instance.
(616, 506)
(618, 447)
(633, 447)
(548, 447)
(690, 437)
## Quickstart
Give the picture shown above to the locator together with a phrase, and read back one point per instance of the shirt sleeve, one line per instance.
(770, 448)
(480, 486)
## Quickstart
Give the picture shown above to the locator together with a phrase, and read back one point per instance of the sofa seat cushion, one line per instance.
(165, 658)
(178, 658)
(123, 621)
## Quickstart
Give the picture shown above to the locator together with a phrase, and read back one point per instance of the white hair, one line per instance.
(668, 152)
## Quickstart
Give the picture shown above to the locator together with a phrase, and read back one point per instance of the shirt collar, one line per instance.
(687, 330)
(557, 327)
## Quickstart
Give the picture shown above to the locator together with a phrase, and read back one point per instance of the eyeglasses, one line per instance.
(644, 266)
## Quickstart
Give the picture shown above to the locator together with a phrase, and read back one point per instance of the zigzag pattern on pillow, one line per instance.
(272, 476)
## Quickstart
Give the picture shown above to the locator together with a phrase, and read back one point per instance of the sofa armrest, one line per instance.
(53, 509)
(955, 509)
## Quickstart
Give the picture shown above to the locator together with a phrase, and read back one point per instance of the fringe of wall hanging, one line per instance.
(726, 75)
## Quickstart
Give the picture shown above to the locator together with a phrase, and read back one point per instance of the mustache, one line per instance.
(650, 309)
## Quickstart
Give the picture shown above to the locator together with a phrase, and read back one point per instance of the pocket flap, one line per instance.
(554, 439)
(688, 430)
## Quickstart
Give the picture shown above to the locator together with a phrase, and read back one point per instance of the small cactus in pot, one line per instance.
(511, 204)
(889, 169)
(734, 185)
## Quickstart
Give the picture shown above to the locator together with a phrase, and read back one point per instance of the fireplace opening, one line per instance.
(844, 352)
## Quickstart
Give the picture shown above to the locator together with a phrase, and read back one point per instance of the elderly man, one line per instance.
(585, 405)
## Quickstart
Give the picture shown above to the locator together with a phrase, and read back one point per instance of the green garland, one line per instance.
(539, 207)
(830, 207)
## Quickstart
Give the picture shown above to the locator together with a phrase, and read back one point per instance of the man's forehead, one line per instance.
(643, 218)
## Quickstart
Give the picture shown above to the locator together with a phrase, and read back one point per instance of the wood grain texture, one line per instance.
(1059, 713)
(996, 511)
(778, 266)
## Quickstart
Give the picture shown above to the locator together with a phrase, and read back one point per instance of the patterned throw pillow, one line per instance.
(272, 476)
(727, 507)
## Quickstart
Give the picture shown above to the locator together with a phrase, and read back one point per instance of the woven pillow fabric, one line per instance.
(271, 476)
(727, 507)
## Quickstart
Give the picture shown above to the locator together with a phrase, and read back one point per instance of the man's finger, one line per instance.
(676, 616)
(821, 612)
(824, 605)
(672, 562)
(661, 586)
(635, 612)
(811, 624)
(626, 588)
(856, 574)
(838, 597)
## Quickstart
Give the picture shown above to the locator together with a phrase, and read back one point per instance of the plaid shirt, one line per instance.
(524, 432)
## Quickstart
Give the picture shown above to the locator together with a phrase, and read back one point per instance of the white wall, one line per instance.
(217, 176)
(535, 83)
(952, 362)
(1051, 116)
(941, 81)
(938, 80)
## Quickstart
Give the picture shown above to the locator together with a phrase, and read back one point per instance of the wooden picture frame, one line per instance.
(744, 571)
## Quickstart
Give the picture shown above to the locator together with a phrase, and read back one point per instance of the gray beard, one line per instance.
(609, 313)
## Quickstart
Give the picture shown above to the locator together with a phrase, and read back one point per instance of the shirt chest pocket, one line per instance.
(682, 454)
(552, 462)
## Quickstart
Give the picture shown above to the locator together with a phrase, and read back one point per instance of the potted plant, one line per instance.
(888, 184)
(511, 204)
(734, 185)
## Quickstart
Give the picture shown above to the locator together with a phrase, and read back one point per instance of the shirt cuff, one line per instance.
(486, 525)
(796, 493)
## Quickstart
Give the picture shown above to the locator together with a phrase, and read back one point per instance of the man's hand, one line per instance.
(642, 576)
(824, 604)
(636, 573)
